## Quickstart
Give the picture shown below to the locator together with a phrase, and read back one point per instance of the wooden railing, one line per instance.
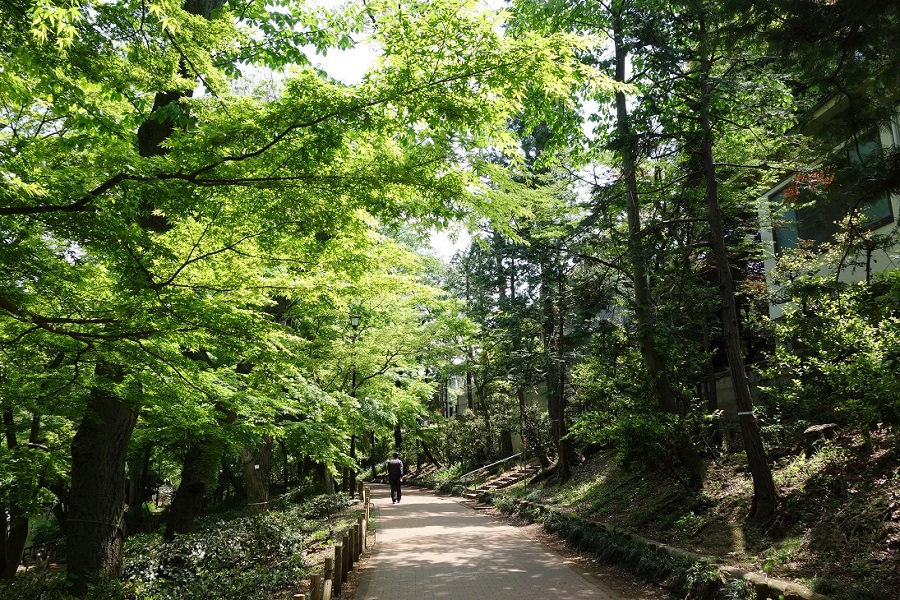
(347, 551)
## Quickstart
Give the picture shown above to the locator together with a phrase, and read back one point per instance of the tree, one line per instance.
(146, 224)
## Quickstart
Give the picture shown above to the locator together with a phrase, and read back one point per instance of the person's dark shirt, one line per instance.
(395, 469)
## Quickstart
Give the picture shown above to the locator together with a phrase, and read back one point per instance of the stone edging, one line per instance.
(763, 585)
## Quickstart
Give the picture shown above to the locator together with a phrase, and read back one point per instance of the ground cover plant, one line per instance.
(230, 556)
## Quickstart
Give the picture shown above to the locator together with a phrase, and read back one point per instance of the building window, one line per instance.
(816, 221)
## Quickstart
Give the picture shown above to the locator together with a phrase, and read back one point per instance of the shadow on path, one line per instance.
(429, 546)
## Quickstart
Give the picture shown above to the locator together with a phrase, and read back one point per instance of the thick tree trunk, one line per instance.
(257, 467)
(197, 475)
(653, 361)
(14, 533)
(97, 498)
(324, 476)
(765, 496)
(506, 443)
(13, 538)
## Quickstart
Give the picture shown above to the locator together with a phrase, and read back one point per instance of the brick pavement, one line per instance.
(429, 546)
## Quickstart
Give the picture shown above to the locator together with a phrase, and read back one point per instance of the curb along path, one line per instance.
(433, 547)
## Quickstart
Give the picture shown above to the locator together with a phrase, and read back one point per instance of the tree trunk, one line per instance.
(429, 456)
(4, 536)
(285, 470)
(506, 443)
(257, 467)
(325, 477)
(97, 497)
(14, 538)
(709, 387)
(486, 415)
(556, 401)
(653, 361)
(765, 496)
(14, 532)
(198, 471)
(137, 487)
(373, 454)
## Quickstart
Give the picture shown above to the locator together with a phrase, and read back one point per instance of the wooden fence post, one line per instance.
(299, 596)
(345, 568)
(361, 521)
(315, 587)
(329, 579)
(338, 567)
(354, 546)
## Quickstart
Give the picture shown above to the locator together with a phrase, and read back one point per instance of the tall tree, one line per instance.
(143, 221)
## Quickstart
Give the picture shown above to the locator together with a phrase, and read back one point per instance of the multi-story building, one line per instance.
(786, 223)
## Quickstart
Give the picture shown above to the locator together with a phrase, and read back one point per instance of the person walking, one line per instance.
(395, 472)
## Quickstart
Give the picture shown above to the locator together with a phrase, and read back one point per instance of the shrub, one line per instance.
(249, 557)
(838, 354)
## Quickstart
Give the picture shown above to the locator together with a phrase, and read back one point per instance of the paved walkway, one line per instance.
(430, 547)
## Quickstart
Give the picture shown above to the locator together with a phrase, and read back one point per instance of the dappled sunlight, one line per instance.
(433, 547)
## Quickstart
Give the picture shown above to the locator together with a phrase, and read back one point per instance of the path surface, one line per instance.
(429, 546)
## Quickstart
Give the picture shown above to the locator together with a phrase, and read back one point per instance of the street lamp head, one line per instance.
(354, 321)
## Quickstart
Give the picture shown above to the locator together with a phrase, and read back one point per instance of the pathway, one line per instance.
(429, 547)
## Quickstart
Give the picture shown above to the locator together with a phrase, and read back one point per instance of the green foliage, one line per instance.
(504, 503)
(43, 585)
(243, 557)
(248, 557)
(621, 409)
(838, 354)
(738, 589)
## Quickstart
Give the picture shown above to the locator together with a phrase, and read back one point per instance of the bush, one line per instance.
(621, 408)
(248, 557)
(838, 356)
(242, 558)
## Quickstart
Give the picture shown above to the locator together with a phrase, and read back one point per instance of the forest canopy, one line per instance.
(192, 212)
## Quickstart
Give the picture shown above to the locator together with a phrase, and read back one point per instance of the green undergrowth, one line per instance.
(229, 556)
(446, 480)
(689, 579)
(837, 530)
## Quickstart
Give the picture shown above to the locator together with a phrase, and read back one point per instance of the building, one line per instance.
(786, 223)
